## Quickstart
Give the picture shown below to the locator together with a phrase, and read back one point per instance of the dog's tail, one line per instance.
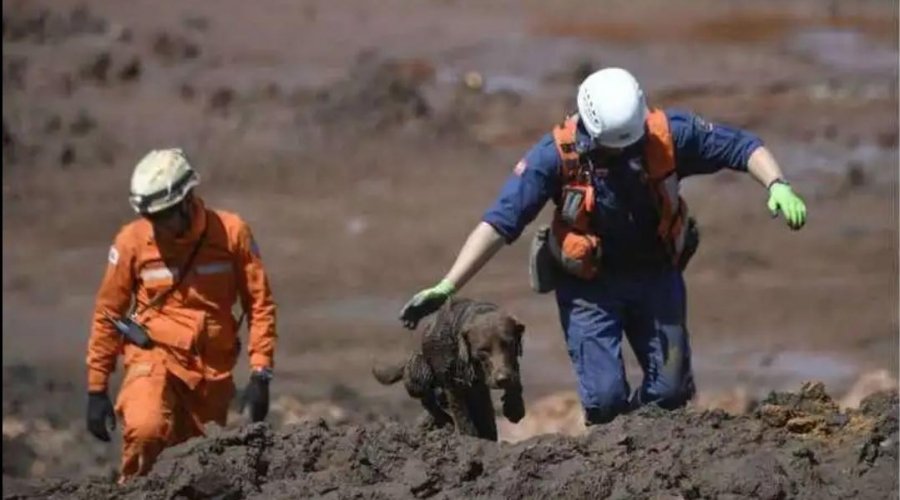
(388, 374)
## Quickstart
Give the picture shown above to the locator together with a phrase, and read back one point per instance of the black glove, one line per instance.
(691, 242)
(100, 415)
(256, 395)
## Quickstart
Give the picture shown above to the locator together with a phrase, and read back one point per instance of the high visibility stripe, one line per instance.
(167, 273)
(158, 273)
(214, 268)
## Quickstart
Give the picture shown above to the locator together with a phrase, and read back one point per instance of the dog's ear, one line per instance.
(465, 372)
(518, 331)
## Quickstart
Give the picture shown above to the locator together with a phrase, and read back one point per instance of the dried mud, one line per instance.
(795, 445)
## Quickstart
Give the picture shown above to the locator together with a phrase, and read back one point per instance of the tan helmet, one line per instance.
(160, 180)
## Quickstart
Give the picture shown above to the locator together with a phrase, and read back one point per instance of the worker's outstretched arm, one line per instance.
(256, 300)
(533, 180)
(105, 343)
(113, 300)
(704, 148)
(483, 243)
(763, 167)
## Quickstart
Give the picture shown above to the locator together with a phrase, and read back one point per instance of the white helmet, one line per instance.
(611, 105)
(160, 180)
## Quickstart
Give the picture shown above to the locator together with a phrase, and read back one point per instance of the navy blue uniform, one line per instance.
(638, 290)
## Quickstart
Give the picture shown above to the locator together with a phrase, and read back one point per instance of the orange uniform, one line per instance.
(184, 380)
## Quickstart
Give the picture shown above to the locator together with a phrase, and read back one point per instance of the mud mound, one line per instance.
(651, 453)
(44, 432)
(25, 22)
(42, 429)
(377, 94)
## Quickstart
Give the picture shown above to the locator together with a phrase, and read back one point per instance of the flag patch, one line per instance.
(113, 255)
(520, 167)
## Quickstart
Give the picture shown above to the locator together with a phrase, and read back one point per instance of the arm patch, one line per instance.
(520, 167)
(702, 125)
(113, 255)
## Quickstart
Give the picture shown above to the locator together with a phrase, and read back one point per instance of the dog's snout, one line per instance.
(503, 378)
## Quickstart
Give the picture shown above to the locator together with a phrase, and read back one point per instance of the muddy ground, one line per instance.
(345, 133)
(795, 445)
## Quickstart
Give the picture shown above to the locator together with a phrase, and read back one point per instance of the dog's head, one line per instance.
(494, 339)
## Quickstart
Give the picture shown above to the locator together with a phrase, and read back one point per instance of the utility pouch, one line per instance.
(542, 266)
(576, 206)
(572, 204)
(691, 243)
(133, 331)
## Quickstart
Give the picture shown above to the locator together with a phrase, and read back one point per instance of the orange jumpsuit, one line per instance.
(184, 380)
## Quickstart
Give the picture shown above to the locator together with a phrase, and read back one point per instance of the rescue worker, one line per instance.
(620, 235)
(165, 305)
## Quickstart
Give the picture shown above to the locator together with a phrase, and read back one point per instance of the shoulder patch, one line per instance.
(702, 124)
(520, 167)
(113, 255)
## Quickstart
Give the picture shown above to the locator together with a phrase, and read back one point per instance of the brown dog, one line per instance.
(469, 348)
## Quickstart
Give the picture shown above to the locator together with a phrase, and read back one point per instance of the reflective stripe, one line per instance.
(214, 268)
(158, 273)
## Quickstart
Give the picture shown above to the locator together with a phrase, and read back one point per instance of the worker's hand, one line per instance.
(425, 302)
(256, 395)
(782, 197)
(101, 418)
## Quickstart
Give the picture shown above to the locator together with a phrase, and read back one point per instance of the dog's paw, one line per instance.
(514, 410)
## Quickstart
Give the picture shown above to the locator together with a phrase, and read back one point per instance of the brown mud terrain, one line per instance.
(362, 141)
(793, 446)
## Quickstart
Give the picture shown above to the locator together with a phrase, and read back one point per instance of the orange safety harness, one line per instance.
(572, 241)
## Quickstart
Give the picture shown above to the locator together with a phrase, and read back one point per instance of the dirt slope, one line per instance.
(343, 133)
(795, 445)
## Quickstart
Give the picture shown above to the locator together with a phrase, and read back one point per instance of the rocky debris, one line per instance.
(287, 410)
(220, 100)
(102, 67)
(46, 435)
(83, 124)
(130, 70)
(867, 384)
(377, 94)
(650, 453)
(10, 145)
(173, 48)
(15, 70)
(23, 22)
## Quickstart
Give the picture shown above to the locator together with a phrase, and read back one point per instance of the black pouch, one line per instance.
(573, 200)
(691, 243)
(133, 331)
(543, 270)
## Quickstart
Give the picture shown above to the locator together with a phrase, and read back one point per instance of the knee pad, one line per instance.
(148, 428)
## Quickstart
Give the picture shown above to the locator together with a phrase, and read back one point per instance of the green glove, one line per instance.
(425, 302)
(782, 197)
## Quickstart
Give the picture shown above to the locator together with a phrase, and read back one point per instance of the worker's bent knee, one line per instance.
(671, 395)
(146, 426)
(598, 416)
(602, 409)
